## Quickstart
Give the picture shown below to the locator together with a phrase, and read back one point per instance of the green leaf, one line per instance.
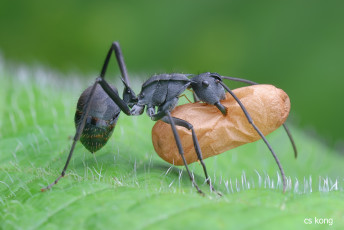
(127, 186)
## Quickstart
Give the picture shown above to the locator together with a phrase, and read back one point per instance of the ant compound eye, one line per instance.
(205, 83)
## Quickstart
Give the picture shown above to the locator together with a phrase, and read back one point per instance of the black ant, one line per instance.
(99, 106)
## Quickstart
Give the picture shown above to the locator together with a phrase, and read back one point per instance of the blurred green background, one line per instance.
(297, 45)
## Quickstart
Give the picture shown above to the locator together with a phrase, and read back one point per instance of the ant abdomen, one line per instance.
(100, 121)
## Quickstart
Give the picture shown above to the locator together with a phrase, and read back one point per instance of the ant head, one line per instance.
(206, 86)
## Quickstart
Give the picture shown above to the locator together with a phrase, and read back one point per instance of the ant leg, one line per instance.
(195, 97)
(128, 94)
(291, 139)
(187, 125)
(77, 135)
(259, 132)
(184, 95)
(284, 125)
(113, 95)
(115, 47)
(181, 151)
(165, 115)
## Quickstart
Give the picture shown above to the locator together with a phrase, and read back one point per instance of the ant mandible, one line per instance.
(99, 106)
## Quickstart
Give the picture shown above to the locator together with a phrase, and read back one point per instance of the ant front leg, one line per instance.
(284, 125)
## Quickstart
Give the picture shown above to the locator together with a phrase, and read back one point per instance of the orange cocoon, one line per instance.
(267, 105)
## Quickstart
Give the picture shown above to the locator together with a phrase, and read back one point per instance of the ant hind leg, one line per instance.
(77, 135)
